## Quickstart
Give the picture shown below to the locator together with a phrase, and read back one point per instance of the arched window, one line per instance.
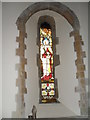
(70, 16)
(48, 87)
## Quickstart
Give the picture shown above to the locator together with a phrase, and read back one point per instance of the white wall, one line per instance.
(0, 60)
(65, 72)
(82, 14)
(10, 13)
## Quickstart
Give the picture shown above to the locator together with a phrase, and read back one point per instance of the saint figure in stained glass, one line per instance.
(46, 54)
(46, 58)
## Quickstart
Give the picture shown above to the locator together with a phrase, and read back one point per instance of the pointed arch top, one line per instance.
(58, 7)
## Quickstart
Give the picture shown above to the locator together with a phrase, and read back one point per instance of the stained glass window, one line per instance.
(46, 68)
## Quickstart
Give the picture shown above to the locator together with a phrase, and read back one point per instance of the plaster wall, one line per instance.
(65, 72)
(10, 13)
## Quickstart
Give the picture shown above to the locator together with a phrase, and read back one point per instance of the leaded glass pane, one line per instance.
(46, 58)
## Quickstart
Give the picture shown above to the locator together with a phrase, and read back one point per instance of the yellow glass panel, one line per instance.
(44, 86)
(44, 101)
(51, 92)
(44, 92)
(51, 85)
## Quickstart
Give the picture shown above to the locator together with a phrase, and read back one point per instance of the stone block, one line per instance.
(19, 52)
(80, 67)
(17, 39)
(23, 60)
(81, 54)
(22, 74)
(80, 75)
(79, 61)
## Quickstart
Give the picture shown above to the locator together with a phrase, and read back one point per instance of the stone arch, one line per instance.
(70, 16)
(54, 6)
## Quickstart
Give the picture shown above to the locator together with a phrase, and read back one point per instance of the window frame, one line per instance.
(51, 22)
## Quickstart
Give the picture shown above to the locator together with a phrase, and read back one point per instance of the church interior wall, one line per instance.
(65, 72)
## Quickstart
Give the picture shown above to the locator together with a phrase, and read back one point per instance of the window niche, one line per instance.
(47, 60)
(72, 19)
